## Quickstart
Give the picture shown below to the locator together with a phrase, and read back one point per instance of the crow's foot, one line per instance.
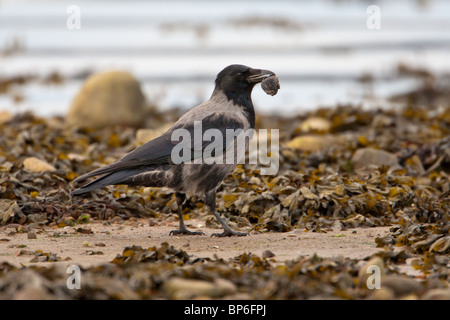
(230, 233)
(186, 232)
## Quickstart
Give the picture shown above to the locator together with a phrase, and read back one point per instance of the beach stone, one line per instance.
(271, 85)
(117, 219)
(437, 294)
(382, 294)
(366, 157)
(32, 293)
(31, 235)
(315, 124)
(313, 143)
(367, 270)
(268, 254)
(401, 285)
(188, 288)
(33, 164)
(108, 98)
(5, 116)
(28, 284)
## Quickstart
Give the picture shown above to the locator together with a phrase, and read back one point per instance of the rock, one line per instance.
(76, 157)
(366, 157)
(32, 293)
(33, 164)
(268, 254)
(108, 98)
(271, 85)
(28, 284)
(382, 294)
(369, 269)
(66, 221)
(108, 287)
(87, 244)
(315, 124)
(381, 121)
(117, 219)
(401, 285)
(437, 294)
(189, 288)
(313, 142)
(5, 116)
(390, 285)
(31, 235)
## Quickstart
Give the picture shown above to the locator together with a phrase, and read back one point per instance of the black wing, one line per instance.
(159, 151)
(156, 151)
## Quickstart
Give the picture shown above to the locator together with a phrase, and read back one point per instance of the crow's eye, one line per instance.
(239, 76)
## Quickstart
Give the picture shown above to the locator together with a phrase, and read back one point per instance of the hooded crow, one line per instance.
(156, 164)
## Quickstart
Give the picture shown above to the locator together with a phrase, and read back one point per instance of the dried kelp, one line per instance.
(165, 272)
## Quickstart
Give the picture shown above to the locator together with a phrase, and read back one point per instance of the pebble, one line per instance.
(437, 294)
(315, 124)
(32, 293)
(117, 219)
(271, 85)
(368, 270)
(31, 235)
(366, 157)
(313, 143)
(5, 116)
(188, 288)
(33, 164)
(268, 254)
(401, 285)
(86, 244)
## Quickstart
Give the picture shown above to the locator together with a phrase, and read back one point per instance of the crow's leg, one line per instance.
(181, 197)
(210, 201)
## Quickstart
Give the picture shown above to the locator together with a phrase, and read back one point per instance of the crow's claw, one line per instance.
(186, 232)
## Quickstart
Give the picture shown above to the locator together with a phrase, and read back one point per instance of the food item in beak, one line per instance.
(271, 85)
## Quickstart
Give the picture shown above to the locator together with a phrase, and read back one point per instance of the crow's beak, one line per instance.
(258, 75)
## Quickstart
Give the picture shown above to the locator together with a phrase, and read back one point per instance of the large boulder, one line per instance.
(108, 98)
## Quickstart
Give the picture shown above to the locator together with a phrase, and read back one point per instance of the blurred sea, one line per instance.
(320, 49)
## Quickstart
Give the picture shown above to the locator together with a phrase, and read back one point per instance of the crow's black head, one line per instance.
(236, 82)
(238, 79)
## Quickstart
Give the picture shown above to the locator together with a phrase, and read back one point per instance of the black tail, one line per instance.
(106, 180)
